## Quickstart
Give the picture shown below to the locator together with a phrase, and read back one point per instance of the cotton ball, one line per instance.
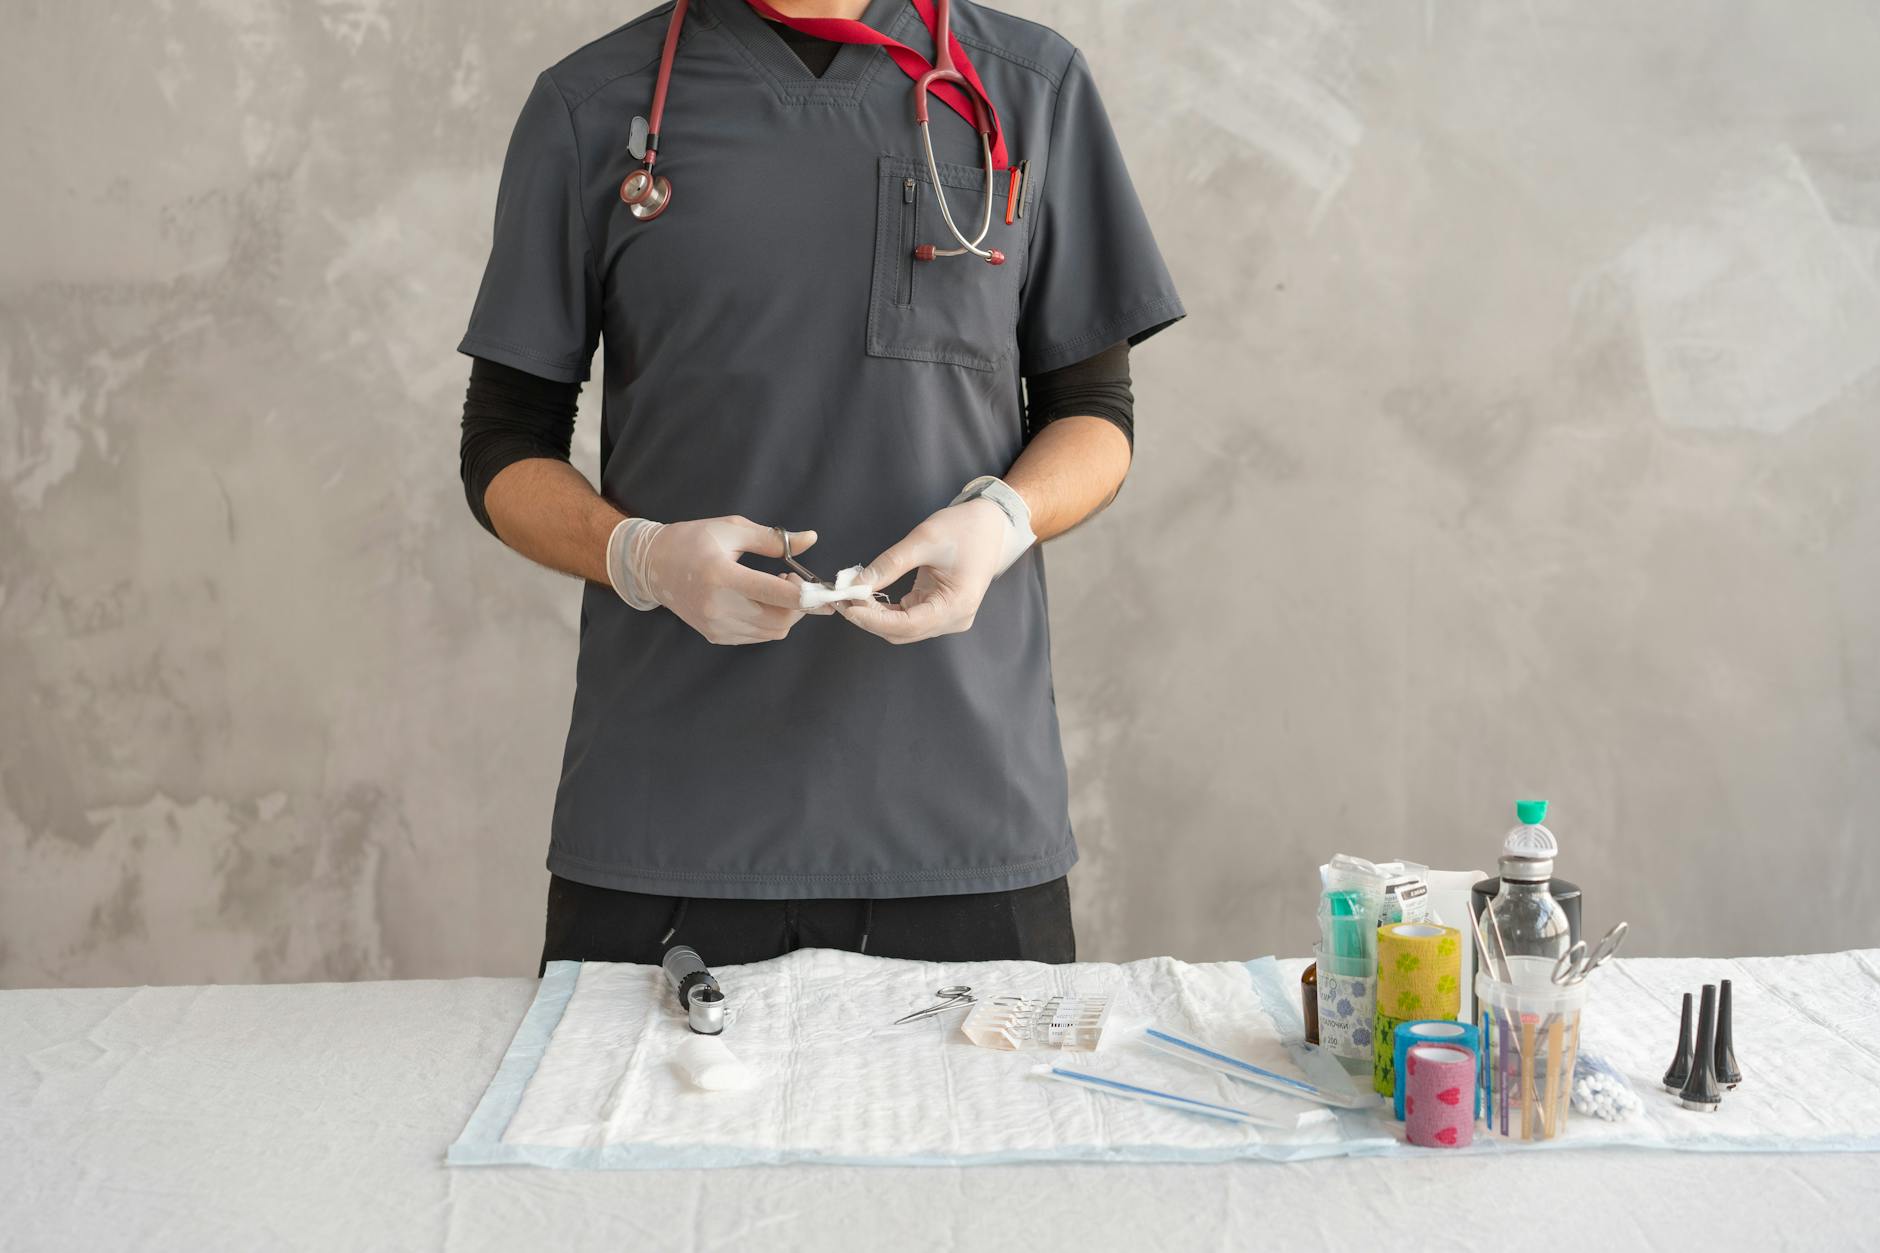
(1602, 1096)
(711, 1065)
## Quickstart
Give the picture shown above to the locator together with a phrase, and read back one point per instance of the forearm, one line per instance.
(547, 511)
(1070, 470)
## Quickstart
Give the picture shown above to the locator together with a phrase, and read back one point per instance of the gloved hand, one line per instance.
(958, 551)
(692, 569)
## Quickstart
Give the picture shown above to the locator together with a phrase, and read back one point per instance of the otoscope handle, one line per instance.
(698, 992)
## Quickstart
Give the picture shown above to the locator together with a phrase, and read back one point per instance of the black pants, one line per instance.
(587, 923)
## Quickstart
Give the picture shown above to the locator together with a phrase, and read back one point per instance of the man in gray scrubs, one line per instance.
(741, 774)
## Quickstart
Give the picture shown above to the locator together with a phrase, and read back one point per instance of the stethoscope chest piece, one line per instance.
(645, 194)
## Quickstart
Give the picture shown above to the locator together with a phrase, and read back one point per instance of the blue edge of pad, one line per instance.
(1360, 1132)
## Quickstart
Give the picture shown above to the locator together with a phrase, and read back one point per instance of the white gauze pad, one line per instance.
(814, 595)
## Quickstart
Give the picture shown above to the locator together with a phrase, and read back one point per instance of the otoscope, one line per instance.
(698, 992)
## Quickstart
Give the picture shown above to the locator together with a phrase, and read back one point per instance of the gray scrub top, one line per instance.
(774, 350)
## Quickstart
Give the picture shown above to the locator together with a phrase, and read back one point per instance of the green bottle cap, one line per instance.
(1530, 812)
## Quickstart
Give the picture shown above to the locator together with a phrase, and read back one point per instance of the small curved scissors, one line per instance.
(1579, 961)
(954, 996)
(805, 573)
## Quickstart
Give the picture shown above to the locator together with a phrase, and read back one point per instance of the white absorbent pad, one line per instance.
(595, 1077)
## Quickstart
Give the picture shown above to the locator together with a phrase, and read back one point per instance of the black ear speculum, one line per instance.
(1727, 1073)
(1700, 1090)
(1681, 1064)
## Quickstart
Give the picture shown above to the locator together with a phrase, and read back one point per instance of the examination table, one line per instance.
(317, 1116)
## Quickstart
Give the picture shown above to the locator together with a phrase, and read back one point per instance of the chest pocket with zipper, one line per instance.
(954, 310)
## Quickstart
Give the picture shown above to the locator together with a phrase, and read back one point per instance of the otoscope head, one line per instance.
(705, 1012)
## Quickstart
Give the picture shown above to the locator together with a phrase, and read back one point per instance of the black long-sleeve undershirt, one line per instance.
(509, 416)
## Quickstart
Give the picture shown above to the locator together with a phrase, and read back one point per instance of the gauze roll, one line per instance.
(710, 1064)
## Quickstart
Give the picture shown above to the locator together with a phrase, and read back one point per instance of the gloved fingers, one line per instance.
(746, 536)
(737, 637)
(907, 623)
(749, 623)
(765, 589)
(772, 621)
(729, 609)
(891, 566)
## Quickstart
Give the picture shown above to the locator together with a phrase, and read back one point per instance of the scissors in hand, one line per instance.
(841, 589)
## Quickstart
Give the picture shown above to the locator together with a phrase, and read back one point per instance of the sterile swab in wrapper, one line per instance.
(1247, 1072)
(1154, 1096)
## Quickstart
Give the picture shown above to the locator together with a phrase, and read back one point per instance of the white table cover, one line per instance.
(316, 1116)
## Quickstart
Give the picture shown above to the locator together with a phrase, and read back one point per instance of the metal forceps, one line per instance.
(955, 996)
(1579, 961)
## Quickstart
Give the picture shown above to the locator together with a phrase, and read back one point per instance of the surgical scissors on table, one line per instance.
(954, 996)
(1579, 961)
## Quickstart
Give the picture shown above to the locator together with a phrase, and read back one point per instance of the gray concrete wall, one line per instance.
(1522, 440)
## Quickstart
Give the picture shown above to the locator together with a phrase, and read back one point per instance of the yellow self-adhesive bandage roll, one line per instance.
(1419, 970)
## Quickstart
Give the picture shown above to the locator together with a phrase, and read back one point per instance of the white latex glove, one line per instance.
(958, 551)
(692, 569)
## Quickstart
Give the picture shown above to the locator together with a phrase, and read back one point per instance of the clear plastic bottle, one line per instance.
(1532, 922)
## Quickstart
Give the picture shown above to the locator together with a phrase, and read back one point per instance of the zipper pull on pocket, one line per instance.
(904, 287)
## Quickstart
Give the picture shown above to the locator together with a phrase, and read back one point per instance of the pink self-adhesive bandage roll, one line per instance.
(1439, 1108)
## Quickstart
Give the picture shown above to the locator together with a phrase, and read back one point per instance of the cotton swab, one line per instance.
(1501, 945)
(1153, 1096)
(1486, 951)
(1247, 1072)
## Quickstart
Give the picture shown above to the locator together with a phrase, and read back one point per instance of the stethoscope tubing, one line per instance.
(647, 195)
(663, 82)
(946, 213)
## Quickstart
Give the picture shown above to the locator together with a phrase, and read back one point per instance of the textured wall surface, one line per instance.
(1522, 440)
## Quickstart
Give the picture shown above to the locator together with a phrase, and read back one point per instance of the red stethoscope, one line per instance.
(951, 77)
